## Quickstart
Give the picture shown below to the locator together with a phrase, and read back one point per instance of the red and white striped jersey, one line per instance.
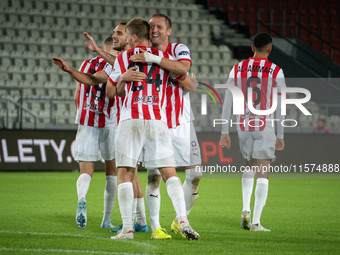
(265, 76)
(178, 103)
(146, 99)
(118, 100)
(94, 108)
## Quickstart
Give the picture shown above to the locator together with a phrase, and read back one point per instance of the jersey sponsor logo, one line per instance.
(93, 107)
(145, 99)
(184, 53)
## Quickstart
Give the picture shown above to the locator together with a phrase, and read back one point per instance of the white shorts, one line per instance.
(93, 143)
(186, 146)
(257, 144)
(149, 138)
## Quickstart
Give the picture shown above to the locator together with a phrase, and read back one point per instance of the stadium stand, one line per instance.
(314, 22)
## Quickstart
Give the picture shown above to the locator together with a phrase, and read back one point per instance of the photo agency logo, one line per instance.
(241, 101)
(204, 97)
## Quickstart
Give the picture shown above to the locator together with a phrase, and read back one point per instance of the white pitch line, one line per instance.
(59, 250)
(150, 246)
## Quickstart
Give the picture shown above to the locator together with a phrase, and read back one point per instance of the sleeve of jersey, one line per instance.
(115, 74)
(227, 105)
(280, 81)
(81, 66)
(182, 52)
(108, 69)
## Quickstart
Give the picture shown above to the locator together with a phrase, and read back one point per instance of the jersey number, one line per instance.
(97, 88)
(157, 81)
(255, 89)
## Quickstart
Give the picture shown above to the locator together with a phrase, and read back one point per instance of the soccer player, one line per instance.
(119, 36)
(95, 130)
(179, 120)
(256, 133)
(97, 116)
(143, 128)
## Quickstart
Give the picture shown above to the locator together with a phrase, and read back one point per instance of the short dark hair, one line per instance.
(123, 23)
(168, 21)
(261, 40)
(323, 119)
(139, 27)
(108, 41)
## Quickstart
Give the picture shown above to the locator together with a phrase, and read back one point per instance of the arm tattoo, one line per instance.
(109, 58)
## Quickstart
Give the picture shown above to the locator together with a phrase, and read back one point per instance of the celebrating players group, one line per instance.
(133, 107)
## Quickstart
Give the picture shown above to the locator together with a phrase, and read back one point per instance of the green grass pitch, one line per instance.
(37, 216)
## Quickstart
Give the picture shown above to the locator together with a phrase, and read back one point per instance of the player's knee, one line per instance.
(196, 181)
(194, 176)
(154, 179)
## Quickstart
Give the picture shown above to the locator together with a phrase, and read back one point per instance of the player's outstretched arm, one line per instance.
(88, 79)
(63, 65)
(92, 45)
(225, 141)
(177, 67)
(280, 144)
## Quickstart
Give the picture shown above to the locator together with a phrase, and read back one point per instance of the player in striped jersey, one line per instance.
(143, 128)
(256, 134)
(96, 116)
(95, 128)
(179, 120)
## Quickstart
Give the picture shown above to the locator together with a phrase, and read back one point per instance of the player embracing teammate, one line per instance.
(169, 95)
(142, 128)
(179, 121)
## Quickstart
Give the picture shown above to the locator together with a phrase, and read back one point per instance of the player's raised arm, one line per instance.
(88, 79)
(177, 67)
(92, 45)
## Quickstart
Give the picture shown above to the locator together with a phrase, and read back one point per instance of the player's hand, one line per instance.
(280, 144)
(140, 57)
(193, 83)
(62, 65)
(92, 44)
(225, 141)
(133, 75)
